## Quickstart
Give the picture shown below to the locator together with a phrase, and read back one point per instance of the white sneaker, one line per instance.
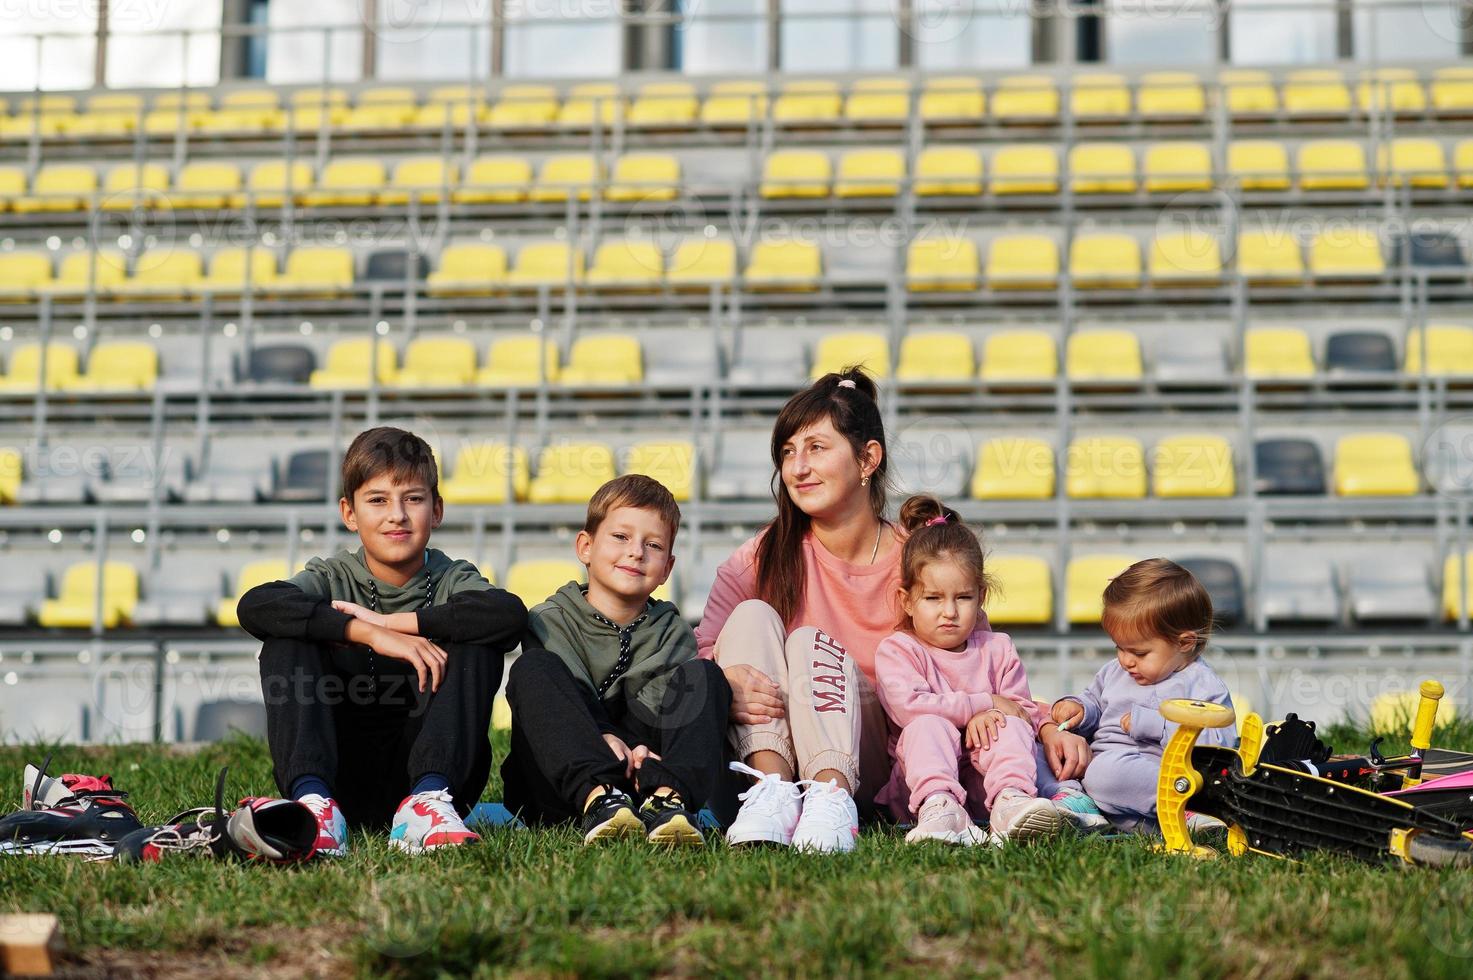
(770, 809)
(943, 818)
(332, 828)
(1077, 808)
(1018, 817)
(427, 821)
(830, 820)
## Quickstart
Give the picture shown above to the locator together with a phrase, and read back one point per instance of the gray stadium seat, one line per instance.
(679, 362)
(1359, 352)
(700, 576)
(305, 477)
(131, 481)
(231, 476)
(390, 265)
(1190, 359)
(935, 461)
(770, 359)
(1430, 250)
(56, 488)
(182, 593)
(279, 364)
(1223, 584)
(742, 468)
(1299, 587)
(1289, 466)
(1390, 587)
(215, 720)
(21, 597)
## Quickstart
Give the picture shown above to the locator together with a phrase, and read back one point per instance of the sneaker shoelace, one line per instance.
(826, 796)
(933, 807)
(441, 802)
(769, 793)
(659, 804)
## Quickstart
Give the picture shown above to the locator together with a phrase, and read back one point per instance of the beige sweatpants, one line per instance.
(834, 719)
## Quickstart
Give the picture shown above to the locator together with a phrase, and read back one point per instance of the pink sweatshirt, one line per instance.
(915, 678)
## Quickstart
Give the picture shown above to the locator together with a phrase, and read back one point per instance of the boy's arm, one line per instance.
(282, 610)
(491, 618)
(906, 694)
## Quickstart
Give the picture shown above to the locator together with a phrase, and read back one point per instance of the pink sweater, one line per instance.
(915, 678)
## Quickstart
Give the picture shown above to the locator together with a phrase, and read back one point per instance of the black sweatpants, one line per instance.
(370, 733)
(558, 755)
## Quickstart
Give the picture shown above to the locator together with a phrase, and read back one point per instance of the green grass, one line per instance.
(539, 903)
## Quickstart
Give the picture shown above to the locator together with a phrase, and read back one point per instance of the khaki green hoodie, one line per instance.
(345, 575)
(590, 644)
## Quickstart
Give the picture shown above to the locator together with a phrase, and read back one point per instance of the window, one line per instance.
(544, 38)
(1401, 33)
(723, 36)
(839, 35)
(145, 46)
(299, 50)
(1262, 36)
(1149, 32)
(449, 39)
(961, 34)
(64, 59)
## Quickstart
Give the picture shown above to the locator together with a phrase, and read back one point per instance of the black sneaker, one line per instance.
(668, 822)
(67, 814)
(610, 816)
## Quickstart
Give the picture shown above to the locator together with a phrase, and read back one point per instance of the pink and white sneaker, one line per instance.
(427, 821)
(829, 822)
(332, 829)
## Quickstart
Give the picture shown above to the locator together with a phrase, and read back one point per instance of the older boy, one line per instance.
(609, 700)
(379, 666)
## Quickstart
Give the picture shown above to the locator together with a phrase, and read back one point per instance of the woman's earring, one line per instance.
(864, 481)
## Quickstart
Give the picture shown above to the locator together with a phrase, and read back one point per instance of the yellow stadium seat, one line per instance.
(78, 271)
(734, 103)
(524, 107)
(1316, 92)
(1096, 96)
(56, 111)
(626, 264)
(813, 101)
(1277, 353)
(1085, 580)
(164, 117)
(878, 100)
(1170, 95)
(784, 266)
(437, 362)
(1449, 350)
(1463, 162)
(272, 181)
(251, 575)
(1249, 91)
(1022, 262)
(468, 269)
(109, 114)
(1269, 255)
(1105, 260)
(672, 463)
(702, 261)
(457, 104)
(1259, 165)
(1014, 468)
(1025, 169)
(645, 177)
(1025, 98)
(311, 109)
(58, 187)
(1019, 355)
(349, 365)
(119, 365)
(1332, 165)
(495, 180)
(1173, 167)
(870, 173)
(958, 99)
(1418, 162)
(545, 264)
(206, 184)
(534, 581)
(1102, 168)
(1112, 467)
(228, 270)
(590, 100)
(128, 186)
(942, 264)
(839, 350)
(424, 178)
(1452, 89)
(948, 170)
(10, 475)
(1103, 355)
(319, 270)
(569, 473)
(483, 473)
(1022, 593)
(796, 173)
(936, 356)
(1346, 253)
(521, 362)
(604, 359)
(563, 175)
(1396, 89)
(77, 605)
(1182, 258)
(22, 274)
(1375, 464)
(12, 185)
(381, 108)
(23, 370)
(351, 182)
(165, 273)
(1195, 465)
(1452, 576)
(664, 104)
(244, 111)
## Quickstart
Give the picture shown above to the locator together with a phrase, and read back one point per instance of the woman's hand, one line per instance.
(1068, 754)
(983, 728)
(1068, 713)
(755, 699)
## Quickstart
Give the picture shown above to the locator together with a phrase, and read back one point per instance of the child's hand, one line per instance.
(982, 729)
(1068, 754)
(755, 699)
(1068, 713)
(1125, 723)
(621, 751)
(1009, 707)
(427, 659)
(360, 612)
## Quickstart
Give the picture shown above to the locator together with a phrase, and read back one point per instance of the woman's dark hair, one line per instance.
(848, 399)
(937, 533)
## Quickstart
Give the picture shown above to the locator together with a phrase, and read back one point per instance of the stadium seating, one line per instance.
(1022, 262)
(1277, 353)
(425, 179)
(1105, 260)
(564, 176)
(349, 365)
(1025, 169)
(626, 264)
(273, 183)
(1105, 467)
(1022, 593)
(645, 177)
(935, 357)
(1102, 168)
(1014, 469)
(524, 361)
(545, 264)
(468, 269)
(837, 351)
(1103, 355)
(946, 170)
(316, 271)
(494, 180)
(796, 173)
(1449, 350)
(251, 575)
(23, 367)
(664, 104)
(1377, 464)
(1013, 356)
(1289, 466)
(480, 475)
(672, 463)
(1172, 168)
(1199, 465)
(1184, 258)
(939, 264)
(569, 473)
(437, 362)
(952, 99)
(118, 365)
(533, 581)
(870, 173)
(78, 604)
(1259, 165)
(784, 265)
(1085, 580)
(604, 360)
(347, 181)
(701, 262)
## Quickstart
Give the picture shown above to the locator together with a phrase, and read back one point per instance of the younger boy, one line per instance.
(379, 666)
(609, 700)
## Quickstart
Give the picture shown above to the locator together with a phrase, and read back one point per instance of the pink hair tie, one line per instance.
(846, 383)
(936, 520)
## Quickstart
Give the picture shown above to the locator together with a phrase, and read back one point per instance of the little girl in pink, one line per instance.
(958, 697)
